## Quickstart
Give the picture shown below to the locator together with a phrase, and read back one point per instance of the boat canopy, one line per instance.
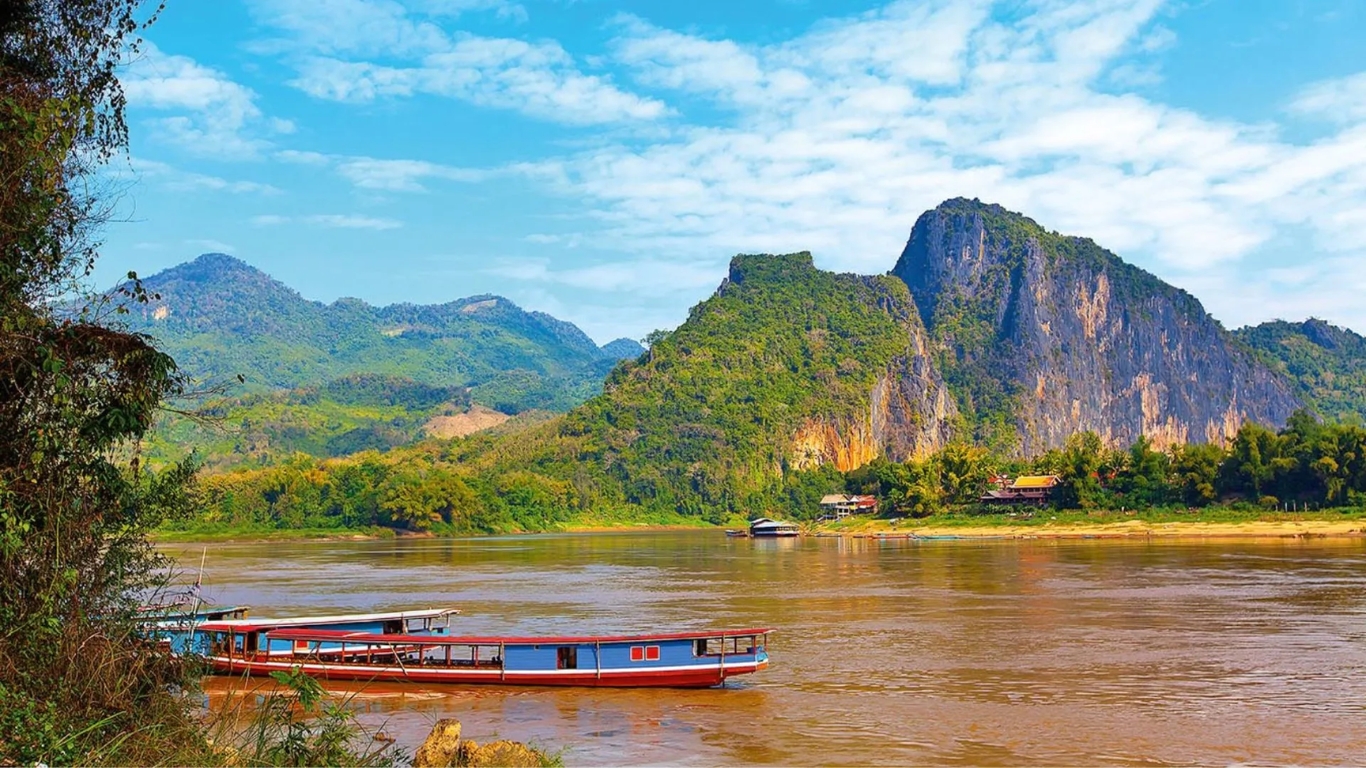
(341, 635)
(256, 625)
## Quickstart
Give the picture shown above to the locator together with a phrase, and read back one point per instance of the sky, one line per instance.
(602, 161)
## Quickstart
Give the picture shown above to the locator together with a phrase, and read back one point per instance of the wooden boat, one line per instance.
(737, 534)
(188, 634)
(699, 659)
(763, 527)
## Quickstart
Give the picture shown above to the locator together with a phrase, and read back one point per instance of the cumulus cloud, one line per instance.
(1341, 100)
(329, 220)
(652, 277)
(214, 115)
(337, 47)
(389, 175)
(835, 140)
(179, 179)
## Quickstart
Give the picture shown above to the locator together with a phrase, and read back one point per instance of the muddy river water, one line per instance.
(1078, 652)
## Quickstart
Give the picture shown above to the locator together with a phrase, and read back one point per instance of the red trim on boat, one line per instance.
(335, 635)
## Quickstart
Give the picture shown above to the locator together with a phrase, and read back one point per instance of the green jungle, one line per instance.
(697, 430)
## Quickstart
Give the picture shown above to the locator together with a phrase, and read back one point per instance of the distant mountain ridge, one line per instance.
(220, 317)
(1326, 363)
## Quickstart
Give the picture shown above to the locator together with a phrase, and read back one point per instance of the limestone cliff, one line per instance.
(1040, 336)
(787, 367)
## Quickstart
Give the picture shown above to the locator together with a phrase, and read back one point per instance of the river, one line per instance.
(1038, 652)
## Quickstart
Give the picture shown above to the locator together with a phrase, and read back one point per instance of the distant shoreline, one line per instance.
(1128, 529)
(861, 529)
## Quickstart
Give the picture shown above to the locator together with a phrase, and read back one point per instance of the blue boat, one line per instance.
(699, 659)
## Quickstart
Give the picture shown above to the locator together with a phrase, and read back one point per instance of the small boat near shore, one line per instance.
(701, 659)
(764, 527)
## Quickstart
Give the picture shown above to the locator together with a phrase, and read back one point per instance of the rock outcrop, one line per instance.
(1041, 336)
(444, 747)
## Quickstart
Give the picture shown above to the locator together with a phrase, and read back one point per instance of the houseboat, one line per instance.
(189, 634)
(675, 660)
(766, 528)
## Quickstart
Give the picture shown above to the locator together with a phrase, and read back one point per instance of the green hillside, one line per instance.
(702, 427)
(1326, 363)
(345, 416)
(332, 379)
(220, 318)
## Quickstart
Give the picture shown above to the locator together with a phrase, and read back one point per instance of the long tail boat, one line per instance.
(699, 659)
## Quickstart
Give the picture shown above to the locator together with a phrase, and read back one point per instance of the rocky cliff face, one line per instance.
(909, 411)
(1040, 336)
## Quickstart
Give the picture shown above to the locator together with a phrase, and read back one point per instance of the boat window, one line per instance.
(472, 655)
(418, 625)
(393, 627)
(251, 642)
(715, 646)
(567, 657)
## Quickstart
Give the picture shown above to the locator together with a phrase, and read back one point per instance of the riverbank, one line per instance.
(259, 535)
(1046, 525)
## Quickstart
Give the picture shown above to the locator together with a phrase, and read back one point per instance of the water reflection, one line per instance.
(888, 651)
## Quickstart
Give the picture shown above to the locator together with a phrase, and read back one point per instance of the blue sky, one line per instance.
(602, 161)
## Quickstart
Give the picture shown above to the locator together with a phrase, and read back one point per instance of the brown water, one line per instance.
(887, 652)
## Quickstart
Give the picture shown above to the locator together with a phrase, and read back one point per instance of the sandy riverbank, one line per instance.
(1123, 529)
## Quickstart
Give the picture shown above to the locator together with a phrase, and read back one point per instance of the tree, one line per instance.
(75, 398)
(1195, 472)
(1082, 457)
(1143, 476)
(965, 471)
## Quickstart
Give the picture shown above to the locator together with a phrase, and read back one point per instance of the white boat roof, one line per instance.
(766, 523)
(344, 618)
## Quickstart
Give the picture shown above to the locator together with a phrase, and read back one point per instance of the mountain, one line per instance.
(338, 418)
(623, 349)
(785, 368)
(1327, 363)
(219, 317)
(989, 330)
(1041, 335)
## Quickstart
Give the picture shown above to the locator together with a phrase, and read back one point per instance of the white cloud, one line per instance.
(182, 180)
(391, 175)
(336, 45)
(215, 115)
(1342, 100)
(329, 220)
(216, 246)
(353, 221)
(836, 140)
(649, 277)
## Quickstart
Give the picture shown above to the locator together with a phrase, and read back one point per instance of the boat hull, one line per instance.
(690, 676)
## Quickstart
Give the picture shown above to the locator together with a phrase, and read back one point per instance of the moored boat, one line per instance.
(763, 527)
(188, 633)
(698, 659)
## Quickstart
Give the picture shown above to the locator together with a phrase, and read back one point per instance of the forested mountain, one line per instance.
(993, 342)
(1327, 364)
(220, 318)
(1041, 336)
